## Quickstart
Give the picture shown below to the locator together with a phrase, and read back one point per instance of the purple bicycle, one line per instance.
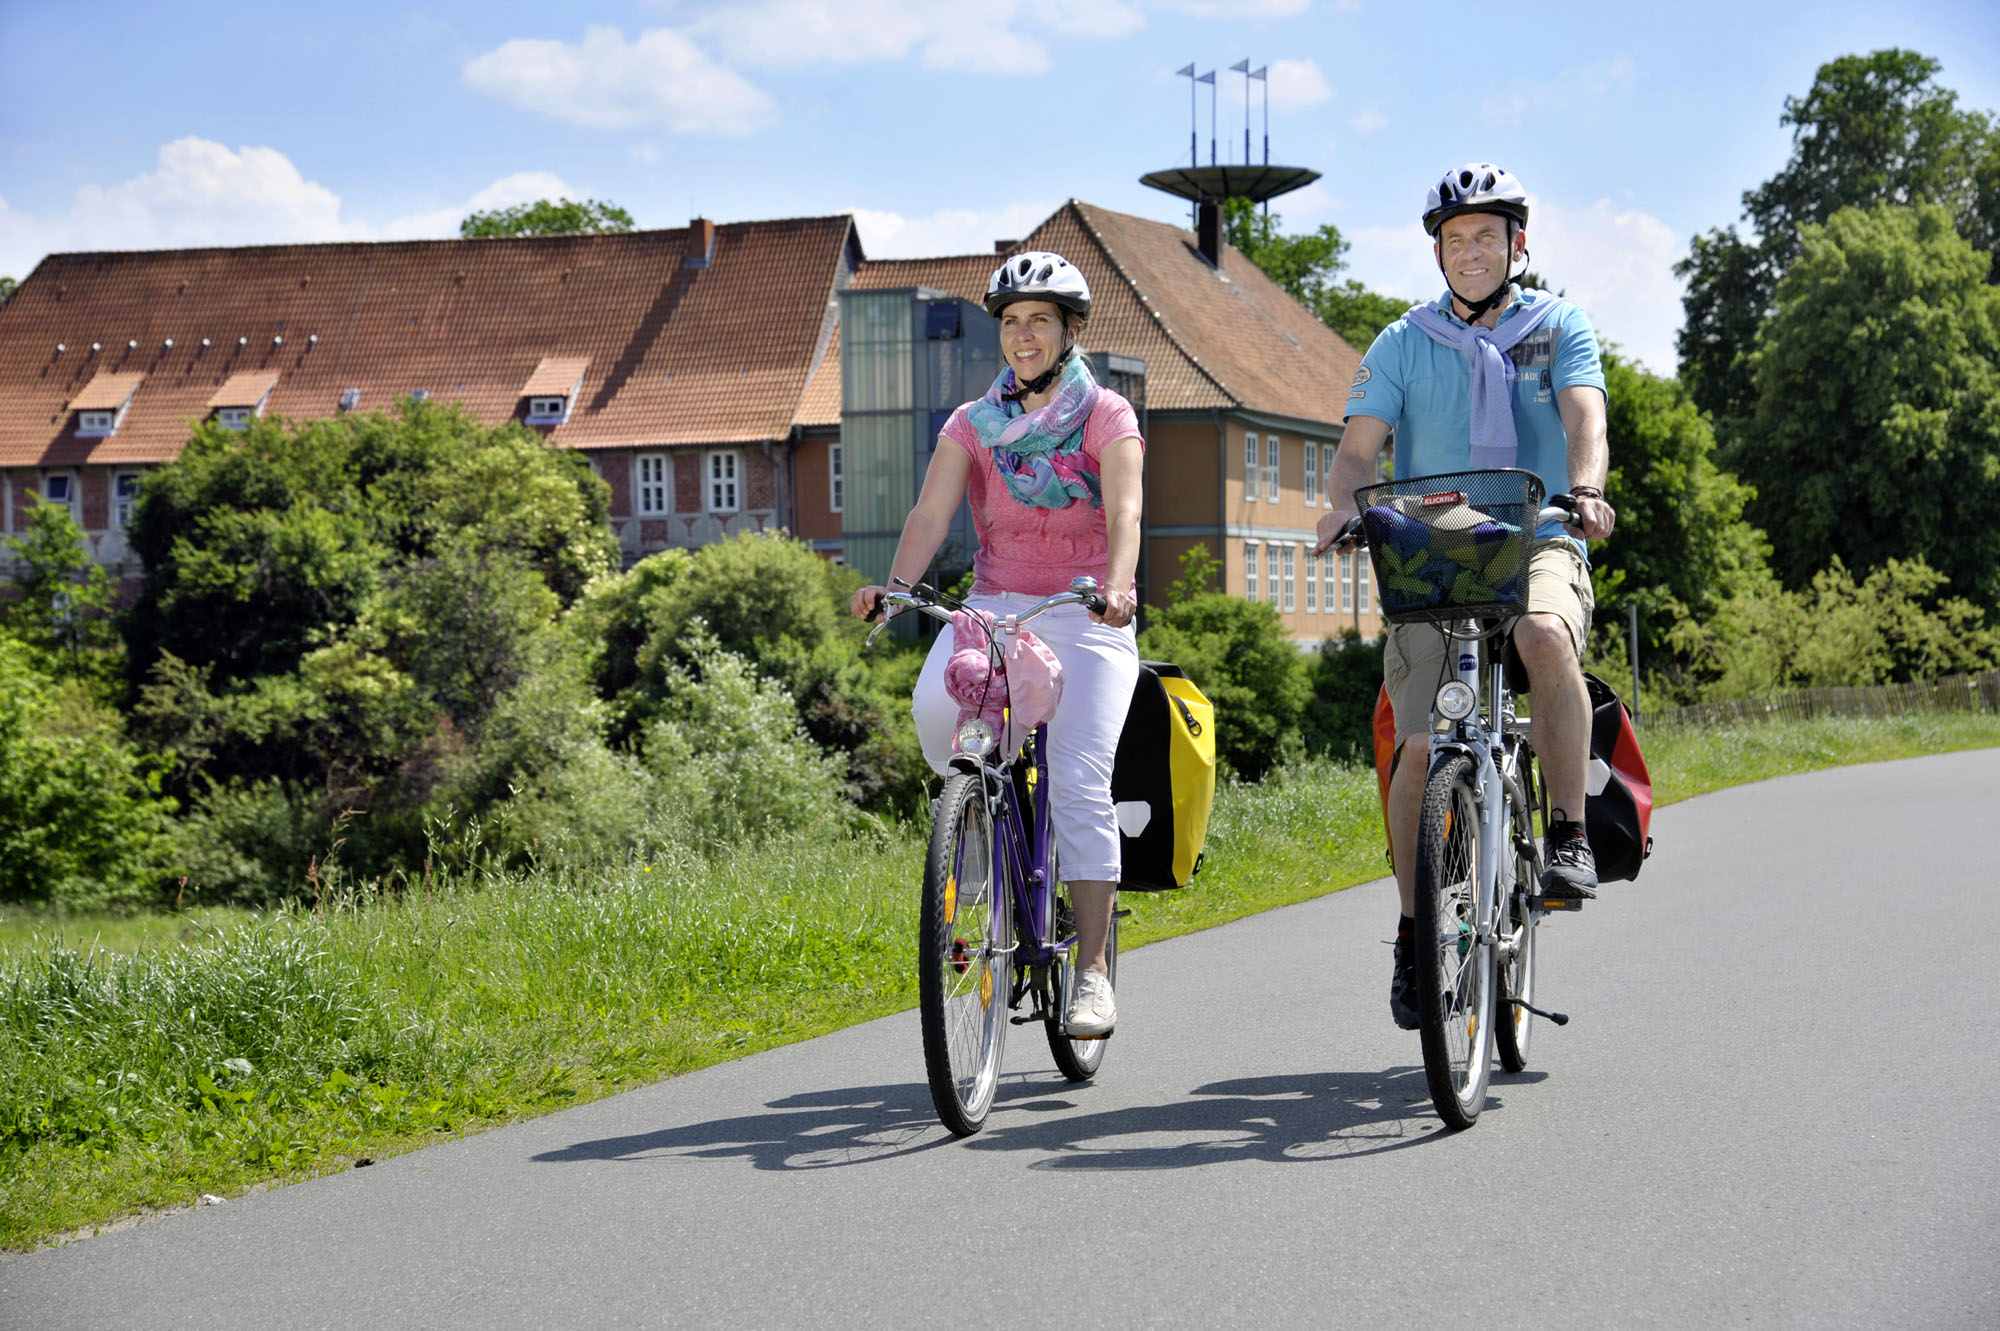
(997, 930)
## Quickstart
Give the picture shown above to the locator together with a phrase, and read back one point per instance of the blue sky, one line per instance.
(942, 126)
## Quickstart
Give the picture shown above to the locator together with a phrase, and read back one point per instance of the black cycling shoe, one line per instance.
(1403, 983)
(1571, 875)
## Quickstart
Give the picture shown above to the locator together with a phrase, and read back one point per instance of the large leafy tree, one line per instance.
(547, 217)
(1872, 128)
(7, 285)
(1308, 266)
(1876, 431)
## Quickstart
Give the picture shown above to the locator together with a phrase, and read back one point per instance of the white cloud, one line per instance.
(1297, 83)
(1544, 98)
(204, 194)
(1371, 121)
(606, 82)
(1236, 9)
(975, 39)
(1616, 263)
(648, 153)
(886, 235)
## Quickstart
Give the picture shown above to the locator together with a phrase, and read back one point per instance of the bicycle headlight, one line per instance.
(1455, 700)
(976, 737)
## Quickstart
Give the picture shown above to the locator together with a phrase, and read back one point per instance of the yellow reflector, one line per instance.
(1449, 811)
(985, 986)
(951, 898)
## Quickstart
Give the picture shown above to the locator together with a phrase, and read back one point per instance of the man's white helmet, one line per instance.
(1038, 275)
(1476, 187)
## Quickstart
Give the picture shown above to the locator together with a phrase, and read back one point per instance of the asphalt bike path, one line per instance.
(1777, 1105)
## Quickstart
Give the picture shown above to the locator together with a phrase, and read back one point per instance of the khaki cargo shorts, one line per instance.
(1413, 660)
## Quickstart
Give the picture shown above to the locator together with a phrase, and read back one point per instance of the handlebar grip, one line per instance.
(1095, 604)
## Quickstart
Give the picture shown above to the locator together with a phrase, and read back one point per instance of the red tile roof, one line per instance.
(106, 391)
(715, 354)
(555, 376)
(1232, 338)
(821, 404)
(243, 390)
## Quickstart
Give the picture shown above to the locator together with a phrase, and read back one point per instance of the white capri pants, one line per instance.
(1100, 668)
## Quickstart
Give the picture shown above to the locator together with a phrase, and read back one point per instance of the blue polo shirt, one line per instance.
(1421, 389)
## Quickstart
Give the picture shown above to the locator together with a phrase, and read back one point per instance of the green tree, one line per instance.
(1307, 267)
(7, 286)
(1358, 314)
(62, 596)
(1873, 128)
(1877, 425)
(547, 217)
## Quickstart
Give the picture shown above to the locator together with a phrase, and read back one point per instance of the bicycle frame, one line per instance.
(1491, 736)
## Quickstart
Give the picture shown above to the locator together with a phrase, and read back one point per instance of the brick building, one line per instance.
(699, 369)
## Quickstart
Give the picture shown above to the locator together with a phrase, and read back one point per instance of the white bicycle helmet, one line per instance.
(1038, 275)
(1476, 187)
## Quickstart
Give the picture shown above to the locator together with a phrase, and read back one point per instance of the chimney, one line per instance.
(701, 243)
(1005, 246)
(1208, 231)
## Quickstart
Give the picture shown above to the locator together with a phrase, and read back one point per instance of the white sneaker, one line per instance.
(1092, 1013)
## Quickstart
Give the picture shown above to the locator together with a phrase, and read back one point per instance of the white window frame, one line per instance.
(724, 474)
(1291, 579)
(1326, 454)
(1271, 453)
(234, 418)
(72, 492)
(547, 409)
(1312, 583)
(1312, 473)
(1362, 569)
(96, 424)
(1250, 570)
(836, 477)
(653, 485)
(1252, 473)
(122, 502)
(1347, 584)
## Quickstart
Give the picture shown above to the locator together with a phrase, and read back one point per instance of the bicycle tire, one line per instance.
(1454, 969)
(1078, 1060)
(1514, 1026)
(964, 957)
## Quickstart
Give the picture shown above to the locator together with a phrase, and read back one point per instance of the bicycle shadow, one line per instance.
(811, 1130)
(1294, 1117)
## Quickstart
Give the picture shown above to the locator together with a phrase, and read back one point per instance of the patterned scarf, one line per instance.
(1039, 454)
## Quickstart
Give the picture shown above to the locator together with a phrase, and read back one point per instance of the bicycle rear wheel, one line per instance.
(1454, 969)
(964, 957)
(1514, 1025)
(1077, 1060)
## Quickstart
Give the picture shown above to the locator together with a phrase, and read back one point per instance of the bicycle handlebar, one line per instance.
(1083, 592)
(1561, 508)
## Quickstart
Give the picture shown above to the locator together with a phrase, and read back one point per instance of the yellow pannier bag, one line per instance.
(1163, 780)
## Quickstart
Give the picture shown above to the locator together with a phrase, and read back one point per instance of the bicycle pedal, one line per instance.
(1555, 903)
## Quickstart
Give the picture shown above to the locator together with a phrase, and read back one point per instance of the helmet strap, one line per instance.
(1042, 380)
(1477, 309)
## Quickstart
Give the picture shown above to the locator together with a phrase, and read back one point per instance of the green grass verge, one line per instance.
(146, 1061)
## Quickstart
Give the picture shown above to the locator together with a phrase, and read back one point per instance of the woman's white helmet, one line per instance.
(1476, 187)
(1038, 275)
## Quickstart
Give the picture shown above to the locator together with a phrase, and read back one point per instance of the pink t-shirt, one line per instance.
(1038, 550)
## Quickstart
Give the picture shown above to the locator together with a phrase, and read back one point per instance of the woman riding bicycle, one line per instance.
(1052, 465)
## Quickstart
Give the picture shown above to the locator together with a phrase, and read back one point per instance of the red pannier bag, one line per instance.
(1619, 810)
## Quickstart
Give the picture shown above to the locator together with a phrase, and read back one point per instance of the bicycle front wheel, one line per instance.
(1454, 968)
(964, 957)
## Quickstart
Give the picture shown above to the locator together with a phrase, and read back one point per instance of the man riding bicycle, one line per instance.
(1489, 375)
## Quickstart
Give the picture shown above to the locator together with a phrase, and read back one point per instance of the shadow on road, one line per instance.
(1299, 1116)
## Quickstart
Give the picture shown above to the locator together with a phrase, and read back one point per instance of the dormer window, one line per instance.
(100, 408)
(551, 391)
(242, 398)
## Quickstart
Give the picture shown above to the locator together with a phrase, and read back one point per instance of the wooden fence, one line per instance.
(1958, 693)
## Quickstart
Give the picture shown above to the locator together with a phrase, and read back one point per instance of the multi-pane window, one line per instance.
(1252, 481)
(655, 499)
(1312, 473)
(125, 495)
(1291, 584)
(60, 488)
(836, 477)
(1361, 573)
(722, 496)
(1250, 570)
(1271, 467)
(1312, 582)
(1326, 476)
(1346, 584)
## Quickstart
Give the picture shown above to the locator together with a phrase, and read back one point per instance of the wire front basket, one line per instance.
(1452, 546)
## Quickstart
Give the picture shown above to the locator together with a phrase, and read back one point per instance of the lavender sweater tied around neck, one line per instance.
(1494, 443)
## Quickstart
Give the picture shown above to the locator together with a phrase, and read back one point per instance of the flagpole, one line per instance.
(1243, 67)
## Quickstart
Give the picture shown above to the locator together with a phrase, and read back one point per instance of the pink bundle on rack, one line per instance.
(1028, 678)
